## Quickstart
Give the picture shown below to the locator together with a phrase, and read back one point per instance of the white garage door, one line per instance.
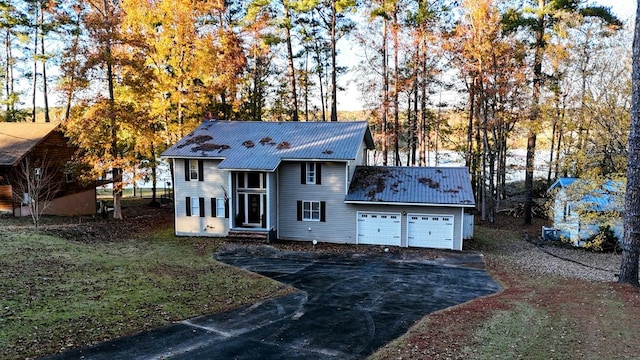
(432, 231)
(379, 228)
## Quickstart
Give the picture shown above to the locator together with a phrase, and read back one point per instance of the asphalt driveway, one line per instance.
(346, 307)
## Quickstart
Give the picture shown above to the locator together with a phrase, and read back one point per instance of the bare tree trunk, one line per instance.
(469, 154)
(424, 137)
(535, 110)
(334, 69)
(8, 79)
(306, 86)
(35, 63)
(116, 171)
(292, 70)
(385, 94)
(44, 73)
(631, 240)
(414, 119)
(396, 90)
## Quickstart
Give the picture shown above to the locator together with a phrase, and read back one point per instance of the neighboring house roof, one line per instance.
(562, 182)
(607, 196)
(418, 185)
(256, 145)
(17, 139)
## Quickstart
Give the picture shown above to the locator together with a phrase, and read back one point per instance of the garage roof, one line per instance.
(448, 186)
(261, 146)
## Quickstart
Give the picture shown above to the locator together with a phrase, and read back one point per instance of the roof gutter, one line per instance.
(359, 202)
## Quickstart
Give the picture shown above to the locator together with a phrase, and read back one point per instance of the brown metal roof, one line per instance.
(18, 138)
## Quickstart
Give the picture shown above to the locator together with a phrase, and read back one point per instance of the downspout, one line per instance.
(172, 167)
(231, 202)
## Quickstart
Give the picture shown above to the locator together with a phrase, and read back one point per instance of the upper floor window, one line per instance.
(251, 180)
(193, 169)
(310, 173)
(68, 172)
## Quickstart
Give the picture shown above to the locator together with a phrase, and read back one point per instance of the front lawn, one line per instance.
(61, 292)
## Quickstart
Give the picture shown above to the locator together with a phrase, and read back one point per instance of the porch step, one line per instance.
(260, 236)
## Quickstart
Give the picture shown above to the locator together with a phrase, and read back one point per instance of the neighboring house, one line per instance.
(580, 208)
(42, 144)
(310, 181)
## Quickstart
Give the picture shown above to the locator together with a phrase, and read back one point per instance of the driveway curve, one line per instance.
(346, 307)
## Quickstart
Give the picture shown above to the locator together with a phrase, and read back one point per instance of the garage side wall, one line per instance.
(430, 210)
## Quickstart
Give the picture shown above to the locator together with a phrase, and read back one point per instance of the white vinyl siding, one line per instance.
(338, 226)
(213, 185)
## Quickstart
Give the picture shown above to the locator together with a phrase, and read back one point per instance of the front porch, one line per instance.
(253, 202)
(252, 234)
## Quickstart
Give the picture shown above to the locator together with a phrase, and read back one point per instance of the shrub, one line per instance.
(604, 241)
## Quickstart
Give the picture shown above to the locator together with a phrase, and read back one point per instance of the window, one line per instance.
(37, 172)
(194, 206)
(251, 180)
(193, 169)
(311, 173)
(220, 208)
(311, 210)
(254, 180)
(68, 172)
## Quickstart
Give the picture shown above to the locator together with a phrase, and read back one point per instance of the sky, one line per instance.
(348, 100)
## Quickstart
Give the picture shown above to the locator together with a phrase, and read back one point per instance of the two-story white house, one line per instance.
(310, 181)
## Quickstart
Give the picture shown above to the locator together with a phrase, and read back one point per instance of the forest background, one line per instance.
(129, 78)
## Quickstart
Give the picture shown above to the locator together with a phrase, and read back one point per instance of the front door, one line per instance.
(253, 212)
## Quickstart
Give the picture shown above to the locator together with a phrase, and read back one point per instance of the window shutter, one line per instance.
(299, 210)
(323, 216)
(188, 206)
(201, 171)
(318, 173)
(226, 209)
(303, 173)
(201, 207)
(187, 176)
(214, 207)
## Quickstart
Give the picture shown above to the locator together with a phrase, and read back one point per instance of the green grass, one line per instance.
(57, 294)
(128, 193)
(525, 332)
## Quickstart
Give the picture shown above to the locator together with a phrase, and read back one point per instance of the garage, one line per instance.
(375, 228)
(430, 230)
